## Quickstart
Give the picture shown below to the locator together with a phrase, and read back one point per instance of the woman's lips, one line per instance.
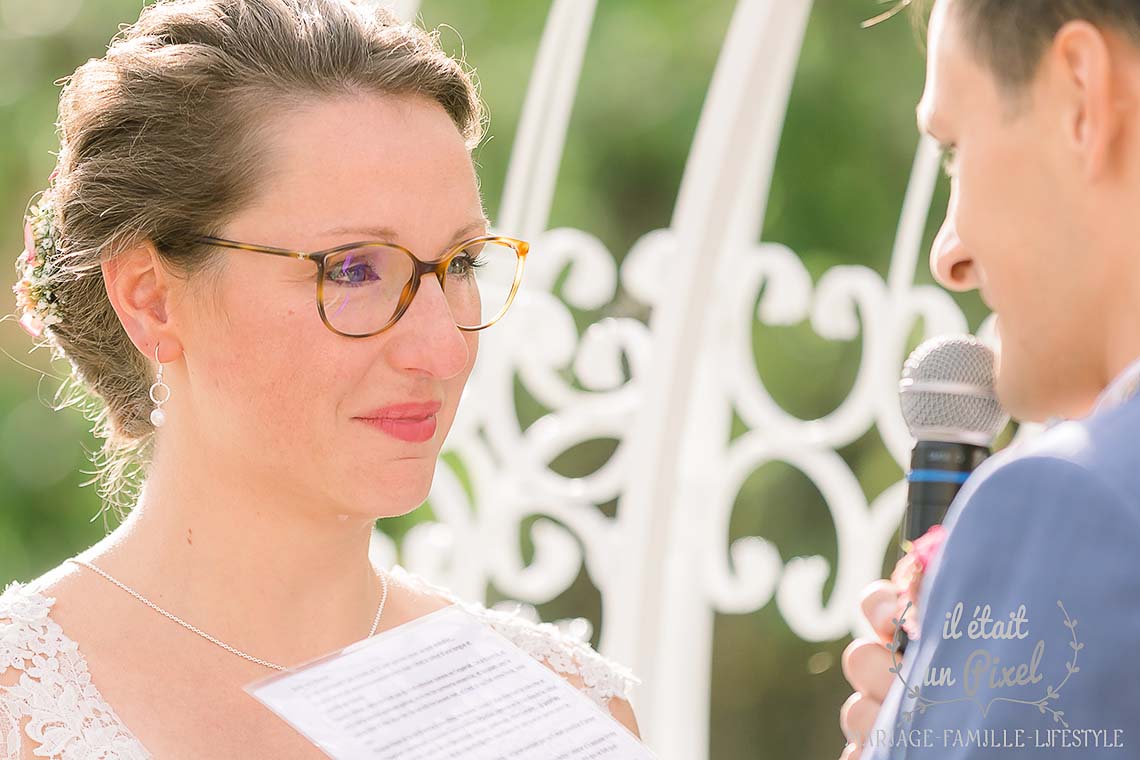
(406, 429)
(415, 423)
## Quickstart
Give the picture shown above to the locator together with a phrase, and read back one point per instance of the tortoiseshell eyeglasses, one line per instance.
(364, 288)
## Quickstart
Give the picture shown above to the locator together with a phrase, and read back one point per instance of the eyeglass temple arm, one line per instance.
(252, 248)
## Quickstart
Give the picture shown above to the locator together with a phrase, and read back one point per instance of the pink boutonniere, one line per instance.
(908, 573)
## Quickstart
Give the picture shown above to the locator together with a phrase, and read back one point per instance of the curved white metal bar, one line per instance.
(666, 392)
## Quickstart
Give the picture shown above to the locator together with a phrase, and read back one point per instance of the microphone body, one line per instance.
(938, 469)
(950, 406)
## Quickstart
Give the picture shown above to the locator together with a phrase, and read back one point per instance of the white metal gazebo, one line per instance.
(660, 564)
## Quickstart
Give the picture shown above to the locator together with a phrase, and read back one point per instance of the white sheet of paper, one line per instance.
(441, 687)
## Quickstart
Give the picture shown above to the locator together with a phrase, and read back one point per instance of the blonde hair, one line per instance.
(161, 140)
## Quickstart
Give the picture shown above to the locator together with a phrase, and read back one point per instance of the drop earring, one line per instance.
(157, 416)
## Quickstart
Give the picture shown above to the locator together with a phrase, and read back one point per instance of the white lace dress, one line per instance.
(67, 718)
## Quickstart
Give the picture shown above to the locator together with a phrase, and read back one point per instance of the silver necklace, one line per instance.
(375, 622)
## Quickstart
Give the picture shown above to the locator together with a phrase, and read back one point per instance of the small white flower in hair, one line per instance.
(37, 304)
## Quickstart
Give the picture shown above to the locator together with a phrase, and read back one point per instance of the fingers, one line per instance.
(880, 604)
(857, 717)
(866, 665)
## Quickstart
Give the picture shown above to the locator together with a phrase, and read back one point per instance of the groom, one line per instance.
(1030, 615)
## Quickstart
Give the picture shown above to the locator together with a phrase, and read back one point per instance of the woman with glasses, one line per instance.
(265, 257)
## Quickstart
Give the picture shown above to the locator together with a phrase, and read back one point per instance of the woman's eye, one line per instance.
(950, 159)
(353, 274)
(464, 264)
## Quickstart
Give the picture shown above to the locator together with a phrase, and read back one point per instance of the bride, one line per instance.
(230, 255)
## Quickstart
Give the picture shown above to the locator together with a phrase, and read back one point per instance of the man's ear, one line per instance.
(1092, 91)
(140, 291)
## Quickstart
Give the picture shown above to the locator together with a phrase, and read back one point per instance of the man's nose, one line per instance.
(426, 338)
(950, 263)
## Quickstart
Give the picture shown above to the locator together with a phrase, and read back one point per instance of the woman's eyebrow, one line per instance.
(476, 225)
(388, 233)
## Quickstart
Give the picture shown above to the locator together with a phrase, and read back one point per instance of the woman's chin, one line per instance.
(356, 515)
(385, 500)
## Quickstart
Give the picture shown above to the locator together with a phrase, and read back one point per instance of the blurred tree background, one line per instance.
(843, 165)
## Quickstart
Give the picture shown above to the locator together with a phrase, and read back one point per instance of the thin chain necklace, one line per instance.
(375, 622)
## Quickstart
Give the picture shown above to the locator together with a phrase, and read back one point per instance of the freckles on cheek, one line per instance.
(255, 353)
(264, 358)
(279, 393)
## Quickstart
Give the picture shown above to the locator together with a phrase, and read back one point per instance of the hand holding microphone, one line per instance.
(951, 408)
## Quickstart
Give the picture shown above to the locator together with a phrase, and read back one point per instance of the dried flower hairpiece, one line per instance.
(38, 305)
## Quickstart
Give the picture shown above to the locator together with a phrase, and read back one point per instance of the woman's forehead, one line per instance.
(378, 161)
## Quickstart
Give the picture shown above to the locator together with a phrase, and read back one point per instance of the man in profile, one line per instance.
(1031, 612)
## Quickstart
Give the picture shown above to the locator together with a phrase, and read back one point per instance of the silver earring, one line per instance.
(157, 416)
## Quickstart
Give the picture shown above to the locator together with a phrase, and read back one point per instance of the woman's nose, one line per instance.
(950, 263)
(426, 338)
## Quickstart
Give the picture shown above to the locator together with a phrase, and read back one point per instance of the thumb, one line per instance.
(880, 605)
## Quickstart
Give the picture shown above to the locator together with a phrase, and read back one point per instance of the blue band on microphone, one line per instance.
(937, 476)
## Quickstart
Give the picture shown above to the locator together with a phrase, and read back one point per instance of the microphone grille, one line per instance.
(947, 392)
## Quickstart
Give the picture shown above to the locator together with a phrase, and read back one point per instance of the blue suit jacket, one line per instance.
(1051, 525)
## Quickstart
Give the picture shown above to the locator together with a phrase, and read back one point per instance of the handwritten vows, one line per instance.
(441, 687)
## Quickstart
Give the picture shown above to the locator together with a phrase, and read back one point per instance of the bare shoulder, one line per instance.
(63, 582)
(73, 592)
(65, 579)
(81, 606)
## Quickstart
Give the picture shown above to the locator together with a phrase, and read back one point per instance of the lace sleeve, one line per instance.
(46, 689)
(602, 678)
(10, 744)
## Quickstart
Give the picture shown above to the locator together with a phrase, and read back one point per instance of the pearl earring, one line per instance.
(157, 416)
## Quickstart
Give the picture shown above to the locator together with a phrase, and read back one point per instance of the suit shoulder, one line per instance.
(1042, 492)
(1102, 444)
(1033, 523)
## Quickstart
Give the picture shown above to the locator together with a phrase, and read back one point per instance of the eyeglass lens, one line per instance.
(363, 285)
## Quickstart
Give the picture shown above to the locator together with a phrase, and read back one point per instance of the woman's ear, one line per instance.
(140, 292)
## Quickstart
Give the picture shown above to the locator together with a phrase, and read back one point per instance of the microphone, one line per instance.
(949, 402)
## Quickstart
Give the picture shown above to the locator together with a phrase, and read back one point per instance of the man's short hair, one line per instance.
(1010, 36)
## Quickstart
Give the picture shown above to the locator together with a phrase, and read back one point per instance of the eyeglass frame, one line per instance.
(420, 268)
